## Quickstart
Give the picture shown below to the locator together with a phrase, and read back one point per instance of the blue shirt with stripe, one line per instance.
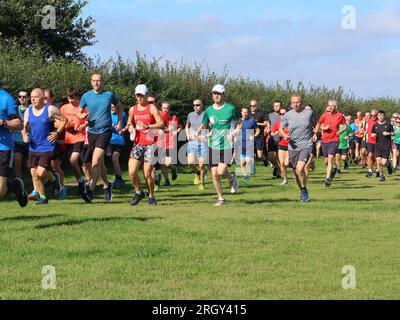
(8, 110)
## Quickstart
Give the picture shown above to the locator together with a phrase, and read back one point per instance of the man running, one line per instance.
(283, 152)
(21, 149)
(75, 135)
(221, 117)
(197, 147)
(263, 125)
(396, 144)
(9, 123)
(144, 121)
(248, 129)
(371, 143)
(116, 145)
(273, 141)
(172, 129)
(329, 123)
(98, 103)
(300, 122)
(383, 132)
(344, 147)
(38, 130)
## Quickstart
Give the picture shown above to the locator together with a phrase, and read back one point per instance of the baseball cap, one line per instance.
(141, 89)
(218, 88)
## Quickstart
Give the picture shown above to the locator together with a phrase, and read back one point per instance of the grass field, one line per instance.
(263, 244)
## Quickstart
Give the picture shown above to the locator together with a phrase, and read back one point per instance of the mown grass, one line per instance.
(264, 244)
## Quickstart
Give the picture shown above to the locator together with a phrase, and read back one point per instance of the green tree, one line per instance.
(54, 26)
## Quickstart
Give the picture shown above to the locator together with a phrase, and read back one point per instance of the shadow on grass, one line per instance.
(81, 221)
(31, 218)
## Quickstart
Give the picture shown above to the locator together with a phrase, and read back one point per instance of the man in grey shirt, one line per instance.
(300, 122)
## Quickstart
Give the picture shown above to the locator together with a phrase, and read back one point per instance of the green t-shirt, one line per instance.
(222, 123)
(343, 143)
(396, 138)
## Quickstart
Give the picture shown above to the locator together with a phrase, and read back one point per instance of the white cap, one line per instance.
(141, 89)
(218, 88)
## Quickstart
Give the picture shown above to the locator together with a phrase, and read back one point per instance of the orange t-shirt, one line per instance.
(73, 122)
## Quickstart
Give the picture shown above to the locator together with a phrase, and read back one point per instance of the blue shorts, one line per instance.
(198, 148)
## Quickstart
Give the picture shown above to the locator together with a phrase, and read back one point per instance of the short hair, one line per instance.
(279, 101)
(72, 93)
(297, 95)
(381, 112)
(166, 102)
(333, 102)
(97, 73)
(51, 92)
(27, 91)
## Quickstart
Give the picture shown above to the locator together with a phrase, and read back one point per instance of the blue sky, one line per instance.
(266, 40)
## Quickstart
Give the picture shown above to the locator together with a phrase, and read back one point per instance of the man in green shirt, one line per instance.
(221, 118)
(344, 146)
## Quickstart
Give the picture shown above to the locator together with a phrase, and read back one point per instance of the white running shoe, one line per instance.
(234, 184)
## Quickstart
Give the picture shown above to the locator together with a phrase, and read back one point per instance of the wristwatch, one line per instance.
(3, 123)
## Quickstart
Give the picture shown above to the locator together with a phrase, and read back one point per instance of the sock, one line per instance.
(370, 170)
(303, 189)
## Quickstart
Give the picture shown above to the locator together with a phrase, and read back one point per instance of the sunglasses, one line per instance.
(23, 97)
(139, 95)
(253, 106)
(197, 105)
(217, 93)
(282, 114)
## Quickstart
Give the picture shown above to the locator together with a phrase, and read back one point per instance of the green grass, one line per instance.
(264, 244)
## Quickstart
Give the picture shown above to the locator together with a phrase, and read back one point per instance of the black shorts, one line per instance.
(40, 159)
(216, 157)
(330, 149)
(364, 144)
(283, 148)
(4, 163)
(343, 152)
(85, 159)
(272, 145)
(22, 149)
(100, 141)
(75, 148)
(114, 148)
(382, 151)
(259, 143)
(359, 140)
(371, 147)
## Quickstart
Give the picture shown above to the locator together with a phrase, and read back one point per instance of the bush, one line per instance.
(179, 83)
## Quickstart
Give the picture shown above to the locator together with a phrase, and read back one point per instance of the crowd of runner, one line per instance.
(35, 134)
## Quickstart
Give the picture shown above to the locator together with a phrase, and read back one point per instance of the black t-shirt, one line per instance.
(259, 117)
(381, 140)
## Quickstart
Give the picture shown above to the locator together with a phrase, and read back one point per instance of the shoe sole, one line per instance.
(20, 193)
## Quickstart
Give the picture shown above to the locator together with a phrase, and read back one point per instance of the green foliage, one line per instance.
(21, 23)
(179, 83)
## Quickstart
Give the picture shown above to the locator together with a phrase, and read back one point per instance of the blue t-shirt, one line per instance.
(8, 108)
(118, 139)
(353, 127)
(99, 109)
(248, 127)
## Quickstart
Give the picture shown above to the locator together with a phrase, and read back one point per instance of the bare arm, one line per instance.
(12, 124)
(54, 114)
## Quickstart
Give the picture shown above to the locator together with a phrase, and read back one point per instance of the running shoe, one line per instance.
(369, 175)
(152, 202)
(220, 202)
(108, 192)
(137, 198)
(167, 183)
(234, 184)
(34, 196)
(196, 179)
(56, 183)
(87, 194)
(304, 196)
(377, 174)
(285, 183)
(253, 170)
(118, 183)
(382, 179)
(201, 187)
(42, 202)
(174, 173)
(328, 183)
(81, 188)
(390, 168)
(20, 193)
(63, 193)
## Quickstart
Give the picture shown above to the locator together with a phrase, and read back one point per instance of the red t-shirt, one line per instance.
(282, 141)
(143, 136)
(334, 121)
(72, 136)
(370, 125)
(172, 124)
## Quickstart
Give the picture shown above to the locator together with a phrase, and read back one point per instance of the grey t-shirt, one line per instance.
(300, 126)
(195, 121)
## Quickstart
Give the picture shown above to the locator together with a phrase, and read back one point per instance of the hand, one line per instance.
(386, 133)
(324, 127)
(346, 138)
(83, 115)
(315, 138)
(52, 137)
(25, 138)
(81, 127)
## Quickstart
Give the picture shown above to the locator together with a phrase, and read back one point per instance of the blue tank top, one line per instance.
(40, 130)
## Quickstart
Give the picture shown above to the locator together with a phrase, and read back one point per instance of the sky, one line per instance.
(316, 42)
